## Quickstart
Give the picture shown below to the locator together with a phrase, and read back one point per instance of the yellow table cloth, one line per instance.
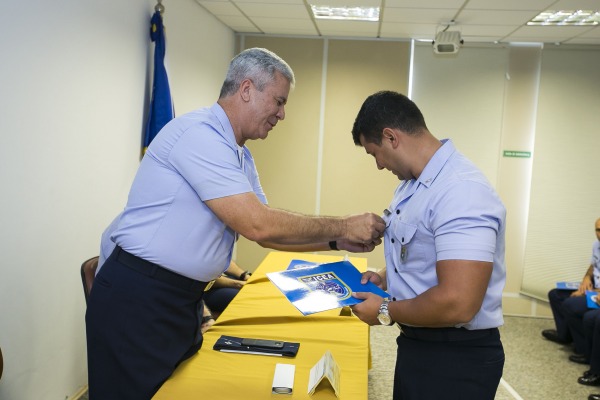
(260, 310)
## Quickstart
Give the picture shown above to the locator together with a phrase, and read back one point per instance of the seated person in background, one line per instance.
(208, 319)
(225, 288)
(567, 304)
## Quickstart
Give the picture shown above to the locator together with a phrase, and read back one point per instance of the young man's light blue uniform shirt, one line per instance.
(450, 213)
(596, 263)
(193, 159)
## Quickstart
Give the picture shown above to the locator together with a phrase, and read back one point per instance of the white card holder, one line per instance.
(283, 380)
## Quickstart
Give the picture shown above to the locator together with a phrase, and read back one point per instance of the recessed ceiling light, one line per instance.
(346, 13)
(566, 18)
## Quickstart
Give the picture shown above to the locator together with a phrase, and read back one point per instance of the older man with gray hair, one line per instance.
(196, 190)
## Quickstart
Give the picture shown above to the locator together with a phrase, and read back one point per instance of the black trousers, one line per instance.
(141, 322)
(217, 299)
(448, 366)
(591, 328)
(556, 297)
(573, 310)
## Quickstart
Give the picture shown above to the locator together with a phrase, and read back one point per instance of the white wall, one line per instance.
(565, 175)
(199, 49)
(73, 81)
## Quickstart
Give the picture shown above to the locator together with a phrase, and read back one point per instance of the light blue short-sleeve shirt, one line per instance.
(450, 212)
(194, 158)
(595, 262)
(106, 244)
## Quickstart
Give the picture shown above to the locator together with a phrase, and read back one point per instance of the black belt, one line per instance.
(445, 334)
(157, 272)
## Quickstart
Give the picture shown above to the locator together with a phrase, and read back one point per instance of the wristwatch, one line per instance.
(244, 275)
(384, 315)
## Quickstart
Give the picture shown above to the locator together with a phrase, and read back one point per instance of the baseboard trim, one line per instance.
(79, 393)
(527, 316)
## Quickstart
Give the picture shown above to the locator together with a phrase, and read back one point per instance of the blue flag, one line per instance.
(161, 108)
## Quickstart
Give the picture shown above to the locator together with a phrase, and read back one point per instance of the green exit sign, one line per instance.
(519, 154)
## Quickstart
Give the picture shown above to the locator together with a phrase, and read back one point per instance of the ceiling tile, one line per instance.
(347, 28)
(270, 2)
(456, 4)
(274, 10)
(509, 4)
(576, 5)
(478, 17)
(417, 15)
(238, 24)
(284, 23)
(487, 30)
(550, 31)
(592, 33)
(220, 7)
(409, 31)
(477, 20)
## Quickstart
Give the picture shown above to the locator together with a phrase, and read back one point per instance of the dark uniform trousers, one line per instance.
(142, 321)
(573, 311)
(448, 363)
(556, 297)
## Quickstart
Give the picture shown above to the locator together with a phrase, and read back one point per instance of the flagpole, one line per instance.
(159, 7)
(161, 108)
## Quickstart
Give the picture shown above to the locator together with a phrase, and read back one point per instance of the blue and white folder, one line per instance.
(568, 285)
(295, 264)
(591, 298)
(312, 289)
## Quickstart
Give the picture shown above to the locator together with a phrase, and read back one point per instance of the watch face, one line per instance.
(384, 319)
(384, 315)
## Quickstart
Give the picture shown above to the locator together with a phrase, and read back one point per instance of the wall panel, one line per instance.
(351, 181)
(286, 160)
(564, 187)
(461, 98)
(289, 165)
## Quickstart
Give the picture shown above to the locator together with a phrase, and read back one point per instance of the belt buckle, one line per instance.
(209, 285)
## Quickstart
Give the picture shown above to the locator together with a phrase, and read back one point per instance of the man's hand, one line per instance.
(372, 276)
(357, 247)
(206, 325)
(364, 228)
(368, 310)
(229, 283)
(586, 284)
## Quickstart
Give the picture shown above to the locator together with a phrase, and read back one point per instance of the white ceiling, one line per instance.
(479, 21)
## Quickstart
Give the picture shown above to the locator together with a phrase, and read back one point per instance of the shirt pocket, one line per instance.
(404, 247)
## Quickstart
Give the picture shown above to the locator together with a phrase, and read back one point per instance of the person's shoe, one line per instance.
(594, 397)
(579, 359)
(590, 380)
(552, 335)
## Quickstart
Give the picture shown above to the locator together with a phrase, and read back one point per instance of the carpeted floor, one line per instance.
(535, 368)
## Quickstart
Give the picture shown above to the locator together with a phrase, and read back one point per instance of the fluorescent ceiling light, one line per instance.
(346, 13)
(566, 18)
